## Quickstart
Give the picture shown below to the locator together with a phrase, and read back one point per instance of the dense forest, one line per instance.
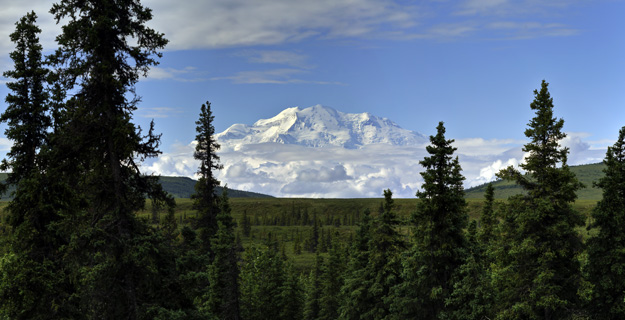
(79, 240)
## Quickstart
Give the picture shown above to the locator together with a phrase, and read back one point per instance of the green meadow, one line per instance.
(283, 220)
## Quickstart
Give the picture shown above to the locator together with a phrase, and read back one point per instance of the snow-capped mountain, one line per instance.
(321, 126)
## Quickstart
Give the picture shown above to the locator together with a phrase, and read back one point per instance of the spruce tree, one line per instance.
(488, 220)
(121, 267)
(384, 266)
(314, 290)
(33, 284)
(537, 273)
(355, 290)
(331, 282)
(262, 282)
(223, 296)
(606, 249)
(439, 246)
(472, 297)
(292, 293)
(205, 199)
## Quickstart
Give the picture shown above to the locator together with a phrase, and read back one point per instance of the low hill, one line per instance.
(587, 174)
(184, 187)
(179, 187)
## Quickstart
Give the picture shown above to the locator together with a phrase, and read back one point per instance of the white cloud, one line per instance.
(333, 172)
(288, 58)
(219, 23)
(273, 76)
(187, 74)
(323, 174)
(211, 24)
(582, 152)
(158, 112)
(511, 8)
(5, 144)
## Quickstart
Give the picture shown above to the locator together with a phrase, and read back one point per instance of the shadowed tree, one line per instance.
(537, 273)
(223, 272)
(33, 284)
(383, 268)
(121, 267)
(606, 250)
(355, 290)
(205, 199)
(439, 246)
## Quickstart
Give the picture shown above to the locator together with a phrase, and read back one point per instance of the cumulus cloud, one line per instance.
(323, 174)
(582, 152)
(333, 172)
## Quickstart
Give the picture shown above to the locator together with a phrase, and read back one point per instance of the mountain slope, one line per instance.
(184, 187)
(587, 174)
(179, 187)
(320, 126)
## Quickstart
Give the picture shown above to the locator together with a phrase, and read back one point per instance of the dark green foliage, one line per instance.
(313, 241)
(488, 219)
(246, 224)
(332, 282)
(27, 109)
(606, 250)
(119, 266)
(223, 272)
(439, 246)
(355, 290)
(262, 282)
(374, 265)
(291, 295)
(537, 273)
(205, 199)
(314, 290)
(384, 262)
(33, 282)
(472, 297)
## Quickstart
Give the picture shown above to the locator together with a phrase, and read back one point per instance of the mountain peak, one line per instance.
(320, 126)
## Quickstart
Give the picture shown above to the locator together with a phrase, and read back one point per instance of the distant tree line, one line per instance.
(75, 249)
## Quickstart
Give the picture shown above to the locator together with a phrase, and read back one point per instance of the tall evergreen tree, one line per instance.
(223, 298)
(439, 246)
(205, 199)
(314, 289)
(538, 273)
(33, 284)
(473, 297)
(332, 281)
(292, 294)
(262, 282)
(120, 266)
(355, 290)
(606, 250)
(27, 109)
(488, 220)
(384, 266)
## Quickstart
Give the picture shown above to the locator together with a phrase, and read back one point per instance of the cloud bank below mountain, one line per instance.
(285, 170)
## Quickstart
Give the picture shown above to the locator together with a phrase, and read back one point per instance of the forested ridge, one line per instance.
(79, 242)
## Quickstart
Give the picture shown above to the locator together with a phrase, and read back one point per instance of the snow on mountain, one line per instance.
(320, 126)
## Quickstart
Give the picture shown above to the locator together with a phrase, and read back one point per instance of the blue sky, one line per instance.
(471, 63)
